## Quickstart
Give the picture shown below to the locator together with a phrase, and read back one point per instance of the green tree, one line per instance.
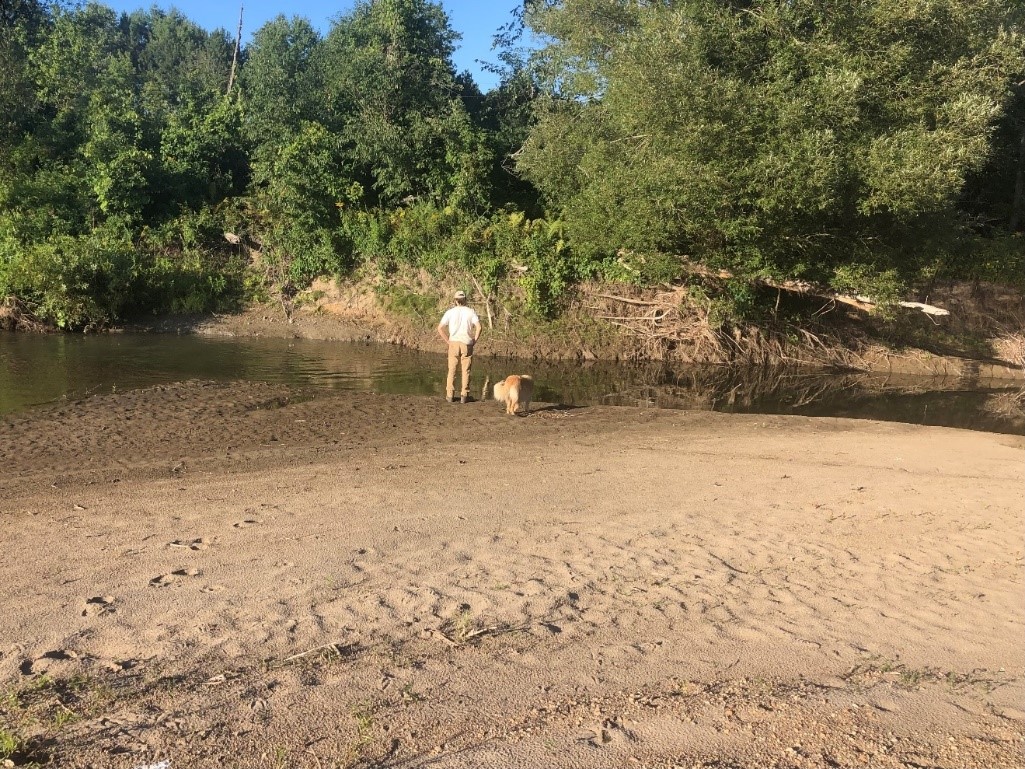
(21, 23)
(396, 101)
(995, 197)
(175, 60)
(786, 139)
(21, 26)
(121, 121)
(299, 203)
(193, 131)
(117, 164)
(84, 145)
(282, 84)
(505, 114)
(203, 156)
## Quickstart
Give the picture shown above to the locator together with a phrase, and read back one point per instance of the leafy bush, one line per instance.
(74, 281)
(490, 249)
(401, 300)
(186, 266)
(366, 234)
(884, 287)
(642, 269)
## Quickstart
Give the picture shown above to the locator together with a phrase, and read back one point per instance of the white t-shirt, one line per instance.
(459, 320)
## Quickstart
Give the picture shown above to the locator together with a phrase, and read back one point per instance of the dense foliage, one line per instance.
(824, 140)
(867, 145)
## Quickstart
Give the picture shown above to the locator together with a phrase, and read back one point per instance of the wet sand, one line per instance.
(247, 576)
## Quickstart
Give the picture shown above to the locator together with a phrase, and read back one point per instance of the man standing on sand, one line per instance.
(460, 328)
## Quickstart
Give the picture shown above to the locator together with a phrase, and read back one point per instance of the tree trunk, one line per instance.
(234, 56)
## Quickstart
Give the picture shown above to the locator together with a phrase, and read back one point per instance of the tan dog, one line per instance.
(515, 391)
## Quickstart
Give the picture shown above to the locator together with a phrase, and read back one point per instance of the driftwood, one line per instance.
(628, 300)
(17, 315)
(928, 309)
(808, 289)
(861, 302)
(661, 324)
(669, 324)
(487, 302)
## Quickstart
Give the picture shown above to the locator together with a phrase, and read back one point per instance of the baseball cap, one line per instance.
(460, 294)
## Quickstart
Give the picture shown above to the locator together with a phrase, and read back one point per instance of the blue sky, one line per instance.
(475, 20)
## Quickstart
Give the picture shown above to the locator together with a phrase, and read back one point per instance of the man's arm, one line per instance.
(441, 333)
(475, 328)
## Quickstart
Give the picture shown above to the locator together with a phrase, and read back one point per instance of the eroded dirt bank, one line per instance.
(242, 575)
(980, 340)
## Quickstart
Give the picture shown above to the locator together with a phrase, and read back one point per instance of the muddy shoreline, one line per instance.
(364, 323)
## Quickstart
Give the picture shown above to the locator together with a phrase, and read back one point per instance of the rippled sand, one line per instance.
(245, 576)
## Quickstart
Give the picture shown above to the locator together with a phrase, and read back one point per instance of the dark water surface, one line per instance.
(39, 369)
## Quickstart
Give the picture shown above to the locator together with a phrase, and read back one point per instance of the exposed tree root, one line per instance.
(672, 325)
(15, 316)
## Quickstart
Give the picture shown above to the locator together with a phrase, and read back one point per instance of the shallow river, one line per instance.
(40, 369)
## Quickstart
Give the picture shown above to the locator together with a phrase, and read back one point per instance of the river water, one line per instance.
(39, 369)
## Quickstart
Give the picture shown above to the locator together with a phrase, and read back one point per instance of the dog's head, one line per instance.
(500, 389)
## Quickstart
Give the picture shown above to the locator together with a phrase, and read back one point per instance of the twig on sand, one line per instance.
(725, 563)
(464, 638)
(335, 648)
(467, 637)
(221, 678)
(552, 414)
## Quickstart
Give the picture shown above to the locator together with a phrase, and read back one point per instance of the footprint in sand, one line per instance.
(166, 579)
(196, 544)
(116, 666)
(248, 522)
(212, 589)
(97, 605)
(44, 662)
(607, 732)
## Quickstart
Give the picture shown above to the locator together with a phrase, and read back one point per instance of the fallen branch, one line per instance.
(336, 648)
(799, 287)
(928, 309)
(627, 300)
(487, 301)
(464, 638)
(16, 315)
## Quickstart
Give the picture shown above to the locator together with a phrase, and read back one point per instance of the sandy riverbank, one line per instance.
(223, 576)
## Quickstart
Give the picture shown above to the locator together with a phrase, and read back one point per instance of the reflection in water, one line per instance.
(993, 406)
(39, 369)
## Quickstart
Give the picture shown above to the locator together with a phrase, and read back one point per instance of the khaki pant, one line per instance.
(458, 354)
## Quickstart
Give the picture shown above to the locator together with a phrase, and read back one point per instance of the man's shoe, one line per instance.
(465, 399)
(450, 399)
